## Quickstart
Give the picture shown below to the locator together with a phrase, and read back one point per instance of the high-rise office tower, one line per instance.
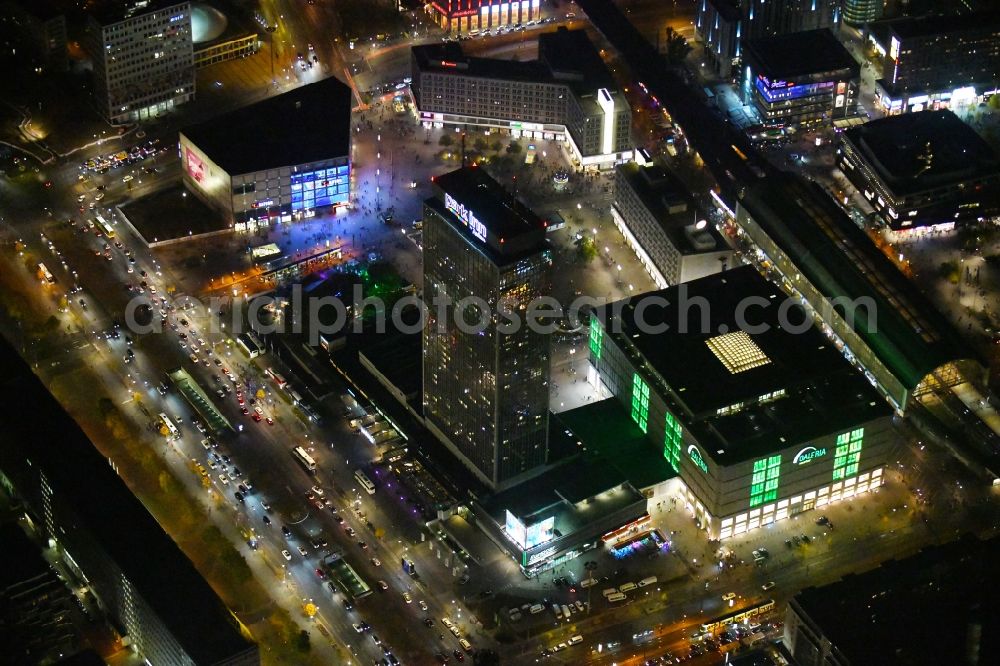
(859, 12)
(143, 57)
(486, 381)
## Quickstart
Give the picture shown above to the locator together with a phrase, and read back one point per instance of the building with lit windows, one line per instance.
(804, 241)
(757, 411)
(466, 15)
(71, 498)
(143, 58)
(286, 157)
(934, 62)
(934, 607)
(662, 224)
(561, 514)
(40, 28)
(859, 12)
(926, 169)
(724, 25)
(801, 78)
(486, 391)
(568, 95)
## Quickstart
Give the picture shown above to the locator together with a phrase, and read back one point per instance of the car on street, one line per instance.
(286, 554)
(407, 597)
(377, 563)
(382, 585)
(767, 586)
(302, 551)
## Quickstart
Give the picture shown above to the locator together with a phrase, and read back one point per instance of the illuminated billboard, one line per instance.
(530, 536)
(467, 217)
(195, 166)
(774, 91)
(322, 187)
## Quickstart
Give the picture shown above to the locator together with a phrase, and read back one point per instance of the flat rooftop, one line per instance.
(658, 190)
(907, 332)
(172, 214)
(20, 559)
(715, 354)
(799, 54)
(109, 12)
(510, 227)
(308, 124)
(934, 607)
(913, 152)
(605, 434)
(564, 56)
(104, 507)
(929, 25)
(569, 54)
(561, 491)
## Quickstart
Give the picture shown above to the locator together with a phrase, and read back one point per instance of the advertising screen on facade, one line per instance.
(195, 166)
(530, 536)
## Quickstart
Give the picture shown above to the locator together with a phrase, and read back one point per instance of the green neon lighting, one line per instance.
(640, 401)
(764, 483)
(847, 456)
(596, 339)
(672, 442)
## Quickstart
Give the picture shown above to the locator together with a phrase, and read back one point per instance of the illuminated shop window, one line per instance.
(764, 484)
(672, 442)
(596, 339)
(323, 187)
(848, 454)
(640, 401)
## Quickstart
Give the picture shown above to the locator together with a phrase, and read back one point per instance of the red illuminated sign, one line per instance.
(445, 63)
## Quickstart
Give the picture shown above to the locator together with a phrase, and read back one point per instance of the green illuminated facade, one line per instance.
(640, 401)
(764, 484)
(672, 442)
(596, 339)
(847, 456)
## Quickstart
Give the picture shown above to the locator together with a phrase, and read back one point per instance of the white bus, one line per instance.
(105, 227)
(46, 274)
(304, 459)
(168, 424)
(365, 482)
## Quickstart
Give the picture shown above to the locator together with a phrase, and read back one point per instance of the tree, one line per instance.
(994, 102)
(514, 148)
(445, 140)
(496, 146)
(302, 642)
(586, 250)
(480, 144)
(677, 47)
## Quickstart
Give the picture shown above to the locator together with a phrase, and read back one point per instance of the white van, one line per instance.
(536, 609)
(647, 581)
(566, 611)
(616, 597)
(466, 645)
(575, 640)
(587, 582)
(611, 590)
(557, 611)
(627, 587)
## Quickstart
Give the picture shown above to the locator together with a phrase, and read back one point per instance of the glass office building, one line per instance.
(485, 386)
